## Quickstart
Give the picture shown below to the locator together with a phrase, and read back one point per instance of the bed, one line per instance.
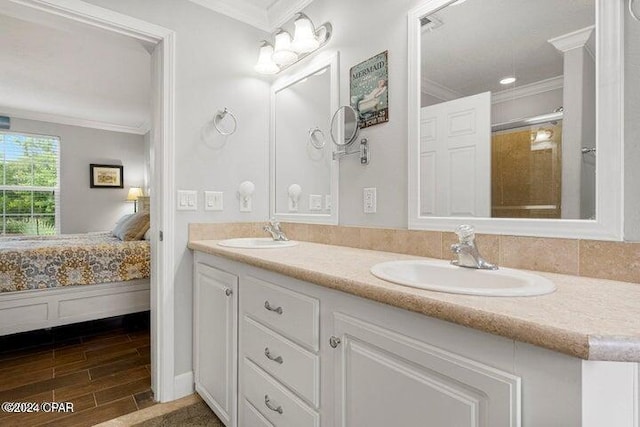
(48, 281)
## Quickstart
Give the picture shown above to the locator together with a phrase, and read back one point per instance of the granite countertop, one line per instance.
(591, 319)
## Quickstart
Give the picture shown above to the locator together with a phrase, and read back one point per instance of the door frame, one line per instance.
(162, 241)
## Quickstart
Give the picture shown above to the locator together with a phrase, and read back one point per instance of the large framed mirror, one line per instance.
(304, 177)
(515, 116)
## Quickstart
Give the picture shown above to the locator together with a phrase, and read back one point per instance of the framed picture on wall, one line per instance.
(106, 176)
(369, 84)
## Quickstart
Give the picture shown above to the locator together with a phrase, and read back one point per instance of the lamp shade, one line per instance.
(304, 39)
(134, 194)
(282, 54)
(265, 64)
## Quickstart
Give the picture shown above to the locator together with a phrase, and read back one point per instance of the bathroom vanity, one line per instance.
(306, 336)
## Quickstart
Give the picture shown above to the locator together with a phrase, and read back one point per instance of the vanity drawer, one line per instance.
(294, 315)
(277, 404)
(289, 363)
(251, 417)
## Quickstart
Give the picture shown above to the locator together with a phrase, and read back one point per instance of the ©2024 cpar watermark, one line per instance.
(27, 407)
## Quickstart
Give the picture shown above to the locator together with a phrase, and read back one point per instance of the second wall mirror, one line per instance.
(304, 177)
(514, 106)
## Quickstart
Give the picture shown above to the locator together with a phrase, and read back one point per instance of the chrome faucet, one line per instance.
(467, 252)
(276, 232)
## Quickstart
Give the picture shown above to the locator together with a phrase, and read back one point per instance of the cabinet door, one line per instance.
(387, 379)
(215, 340)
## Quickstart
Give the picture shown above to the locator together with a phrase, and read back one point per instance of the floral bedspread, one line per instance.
(75, 259)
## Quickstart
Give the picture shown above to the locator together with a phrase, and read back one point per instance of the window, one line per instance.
(29, 184)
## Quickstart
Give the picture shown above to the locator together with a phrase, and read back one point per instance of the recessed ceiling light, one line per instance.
(508, 80)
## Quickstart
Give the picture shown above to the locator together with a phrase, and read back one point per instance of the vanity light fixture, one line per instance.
(265, 63)
(307, 39)
(282, 53)
(508, 80)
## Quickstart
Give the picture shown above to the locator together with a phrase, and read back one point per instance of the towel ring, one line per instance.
(317, 138)
(217, 119)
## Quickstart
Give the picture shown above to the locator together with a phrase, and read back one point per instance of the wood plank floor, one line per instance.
(102, 367)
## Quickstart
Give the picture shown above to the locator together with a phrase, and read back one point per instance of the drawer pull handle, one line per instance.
(275, 310)
(277, 359)
(334, 341)
(228, 292)
(269, 405)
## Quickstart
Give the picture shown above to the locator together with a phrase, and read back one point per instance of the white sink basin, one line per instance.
(256, 243)
(441, 276)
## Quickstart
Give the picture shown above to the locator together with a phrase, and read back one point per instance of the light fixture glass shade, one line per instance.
(305, 39)
(134, 194)
(282, 54)
(265, 64)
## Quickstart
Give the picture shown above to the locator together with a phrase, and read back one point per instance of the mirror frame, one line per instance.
(332, 62)
(608, 224)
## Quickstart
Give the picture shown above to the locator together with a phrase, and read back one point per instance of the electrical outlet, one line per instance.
(213, 200)
(187, 200)
(370, 200)
(315, 202)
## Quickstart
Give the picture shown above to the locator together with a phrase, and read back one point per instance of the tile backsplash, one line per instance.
(589, 258)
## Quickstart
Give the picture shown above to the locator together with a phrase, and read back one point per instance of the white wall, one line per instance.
(85, 209)
(215, 58)
(363, 29)
(528, 106)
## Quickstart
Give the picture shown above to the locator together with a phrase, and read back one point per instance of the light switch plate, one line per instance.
(213, 200)
(315, 202)
(327, 202)
(370, 200)
(187, 200)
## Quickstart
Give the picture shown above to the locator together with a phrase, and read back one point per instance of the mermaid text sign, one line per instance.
(370, 91)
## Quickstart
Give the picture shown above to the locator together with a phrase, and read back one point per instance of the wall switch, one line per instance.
(187, 200)
(315, 202)
(213, 200)
(370, 200)
(327, 202)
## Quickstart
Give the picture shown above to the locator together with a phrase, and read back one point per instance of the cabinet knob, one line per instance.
(228, 292)
(334, 341)
(271, 406)
(278, 310)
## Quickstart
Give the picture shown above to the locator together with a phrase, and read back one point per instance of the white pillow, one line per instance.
(117, 230)
(147, 235)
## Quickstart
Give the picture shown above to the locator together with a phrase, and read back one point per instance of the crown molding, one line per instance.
(239, 10)
(265, 19)
(530, 89)
(283, 10)
(573, 40)
(17, 113)
(439, 91)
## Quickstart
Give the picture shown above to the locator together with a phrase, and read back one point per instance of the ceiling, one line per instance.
(266, 15)
(482, 41)
(63, 71)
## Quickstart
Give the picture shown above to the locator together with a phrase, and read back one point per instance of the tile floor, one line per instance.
(102, 367)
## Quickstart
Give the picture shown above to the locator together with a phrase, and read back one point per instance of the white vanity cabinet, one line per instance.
(311, 356)
(385, 378)
(215, 338)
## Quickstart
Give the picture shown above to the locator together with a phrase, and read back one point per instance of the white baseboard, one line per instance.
(183, 385)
